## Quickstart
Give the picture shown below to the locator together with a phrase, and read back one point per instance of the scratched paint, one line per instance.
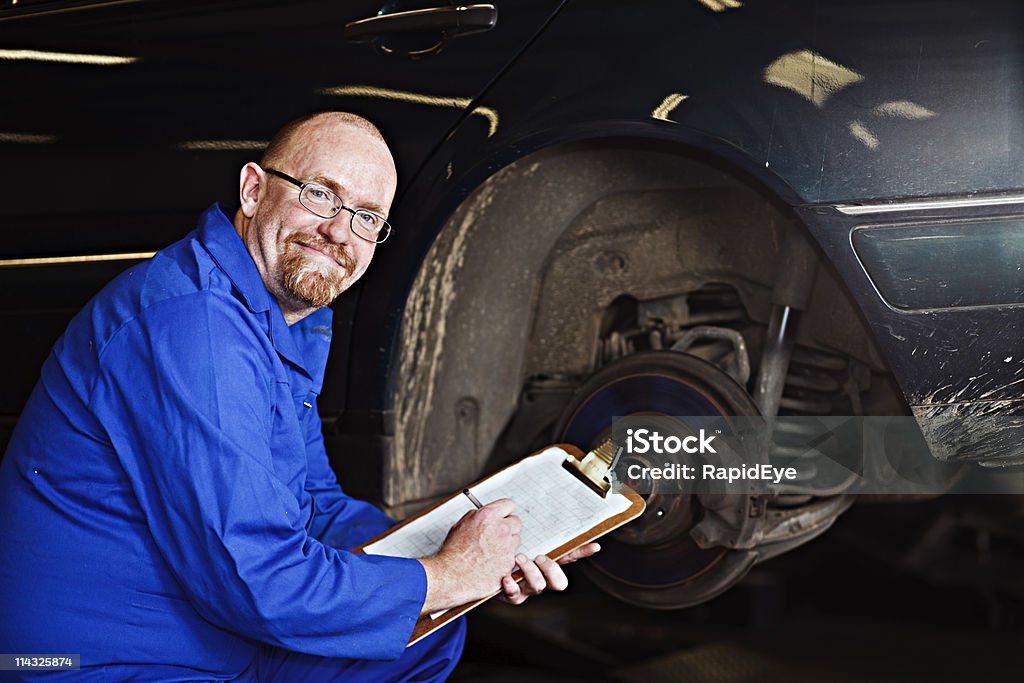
(989, 433)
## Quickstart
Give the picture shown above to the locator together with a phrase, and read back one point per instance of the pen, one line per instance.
(472, 498)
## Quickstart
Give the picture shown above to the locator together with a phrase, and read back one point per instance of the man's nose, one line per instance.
(338, 229)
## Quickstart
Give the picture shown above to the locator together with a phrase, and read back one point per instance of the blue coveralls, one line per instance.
(167, 510)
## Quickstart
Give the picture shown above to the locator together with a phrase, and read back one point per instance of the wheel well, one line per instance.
(539, 267)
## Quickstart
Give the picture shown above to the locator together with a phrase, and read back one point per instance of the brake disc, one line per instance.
(654, 561)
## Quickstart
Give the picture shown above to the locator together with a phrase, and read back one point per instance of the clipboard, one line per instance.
(575, 476)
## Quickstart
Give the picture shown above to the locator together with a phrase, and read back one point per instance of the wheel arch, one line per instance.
(473, 309)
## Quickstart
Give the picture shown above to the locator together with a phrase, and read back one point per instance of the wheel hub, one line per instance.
(653, 561)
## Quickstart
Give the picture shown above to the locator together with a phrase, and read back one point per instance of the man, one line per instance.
(166, 506)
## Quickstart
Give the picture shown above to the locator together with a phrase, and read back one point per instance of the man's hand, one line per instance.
(540, 574)
(479, 551)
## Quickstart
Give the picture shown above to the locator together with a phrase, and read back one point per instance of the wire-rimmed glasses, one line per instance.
(323, 202)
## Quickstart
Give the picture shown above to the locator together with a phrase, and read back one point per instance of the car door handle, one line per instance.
(452, 21)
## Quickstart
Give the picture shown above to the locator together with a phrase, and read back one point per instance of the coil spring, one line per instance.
(817, 383)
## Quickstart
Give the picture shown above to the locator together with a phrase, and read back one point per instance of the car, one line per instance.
(805, 208)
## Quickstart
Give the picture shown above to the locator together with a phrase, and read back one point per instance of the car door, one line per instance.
(123, 120)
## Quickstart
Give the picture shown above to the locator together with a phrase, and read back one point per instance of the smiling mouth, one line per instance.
(321, 253)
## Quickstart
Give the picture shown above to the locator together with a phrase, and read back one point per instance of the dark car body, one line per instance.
(890, 133)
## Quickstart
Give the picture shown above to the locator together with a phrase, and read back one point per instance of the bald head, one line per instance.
(305, 258)
(284, 138)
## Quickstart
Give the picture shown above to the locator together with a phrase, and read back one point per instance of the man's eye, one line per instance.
(368, 220)
(318, 195)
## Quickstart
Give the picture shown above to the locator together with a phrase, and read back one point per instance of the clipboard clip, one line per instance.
(595, 468)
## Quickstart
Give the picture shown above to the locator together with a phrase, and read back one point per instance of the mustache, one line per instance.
(337, 252)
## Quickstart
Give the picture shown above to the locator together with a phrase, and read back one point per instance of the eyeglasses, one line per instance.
(324, 203)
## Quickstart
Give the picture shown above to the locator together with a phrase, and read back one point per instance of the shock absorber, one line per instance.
(791, 292)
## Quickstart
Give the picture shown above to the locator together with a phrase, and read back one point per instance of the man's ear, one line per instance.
(250, 187)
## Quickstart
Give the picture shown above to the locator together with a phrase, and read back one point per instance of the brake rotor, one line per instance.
(653, 561)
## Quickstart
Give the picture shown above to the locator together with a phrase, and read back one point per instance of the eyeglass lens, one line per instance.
(326, 204)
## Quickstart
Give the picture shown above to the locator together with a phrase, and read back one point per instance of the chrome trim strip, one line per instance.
(925, 205)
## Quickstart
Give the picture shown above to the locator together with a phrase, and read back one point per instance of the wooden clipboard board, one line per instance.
(427, 625)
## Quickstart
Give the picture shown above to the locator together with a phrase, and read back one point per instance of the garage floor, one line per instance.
(893, 593)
